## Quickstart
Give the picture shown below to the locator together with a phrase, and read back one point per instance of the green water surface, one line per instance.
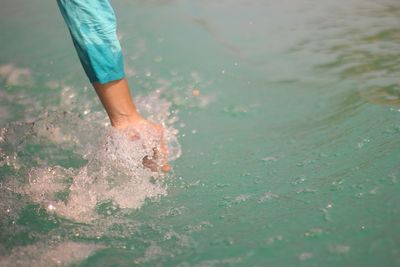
(293, 161)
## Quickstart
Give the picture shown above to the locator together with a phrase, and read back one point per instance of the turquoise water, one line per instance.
(288, 157)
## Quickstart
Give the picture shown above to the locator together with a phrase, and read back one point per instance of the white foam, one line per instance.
(113, 172)
(16, 76)
(59, 254)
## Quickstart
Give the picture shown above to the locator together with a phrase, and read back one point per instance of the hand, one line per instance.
(142, 128)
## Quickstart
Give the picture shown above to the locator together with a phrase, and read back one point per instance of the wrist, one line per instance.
(120, 120)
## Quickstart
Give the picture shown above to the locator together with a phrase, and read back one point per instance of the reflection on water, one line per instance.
(389, 95)
(370, 56)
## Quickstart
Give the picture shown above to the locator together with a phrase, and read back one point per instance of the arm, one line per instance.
(117, 101)
(92, 25)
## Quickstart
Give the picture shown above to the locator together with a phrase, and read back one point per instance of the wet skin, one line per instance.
(117, 101)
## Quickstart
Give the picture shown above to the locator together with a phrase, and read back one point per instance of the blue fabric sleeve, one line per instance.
(92, 25)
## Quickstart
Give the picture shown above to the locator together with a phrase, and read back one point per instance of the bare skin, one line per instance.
(117, 101)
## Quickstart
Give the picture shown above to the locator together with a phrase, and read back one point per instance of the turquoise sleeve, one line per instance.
(93, 25)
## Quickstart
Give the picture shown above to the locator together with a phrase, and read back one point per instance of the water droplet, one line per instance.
(195, 92)
(269, 158)
(313, 232)
(305, 256)
(267, 196)
(298, 180)
(339, 249)
(274, 239)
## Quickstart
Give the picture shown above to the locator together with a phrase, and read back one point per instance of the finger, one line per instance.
(150, 164)
(166, 168)
(156, 153)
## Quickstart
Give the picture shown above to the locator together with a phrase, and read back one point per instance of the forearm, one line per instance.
(117, 101)
(92, 25)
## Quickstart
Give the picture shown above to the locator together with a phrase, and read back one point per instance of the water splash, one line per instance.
(58, 254)
(78, 168)
(15, 76)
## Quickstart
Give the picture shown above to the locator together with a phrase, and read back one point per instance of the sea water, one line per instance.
(282, 125)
